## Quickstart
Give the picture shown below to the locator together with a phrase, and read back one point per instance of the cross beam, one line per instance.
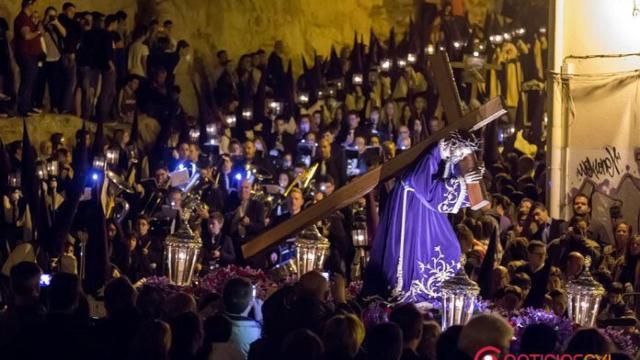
(360, 186)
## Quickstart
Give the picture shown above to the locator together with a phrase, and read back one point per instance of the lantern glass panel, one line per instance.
(99, 162)
(52, 168)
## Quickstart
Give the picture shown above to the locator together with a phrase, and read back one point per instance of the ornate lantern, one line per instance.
(99, 162)
(359, 234)
(356, 79)
(52, 168)
(41, 171)
(311, 250)
(360, 239)
(458, 298)
(14, 180)
(247, 114)
(411, 58)
(584, 294)
(430, 49)
(182, 248)
(303, 98)
(112, 156)
(194, 134)
(385, 65)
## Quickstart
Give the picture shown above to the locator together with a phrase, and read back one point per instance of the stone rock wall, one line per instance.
(241, 26)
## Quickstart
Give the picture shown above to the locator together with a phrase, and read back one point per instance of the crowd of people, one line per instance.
(262, 146)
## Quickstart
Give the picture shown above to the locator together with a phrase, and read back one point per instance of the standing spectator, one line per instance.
(239, 302)
(68, 66)
(151, 342)
(409, 319)
(50, 75)
(138, 53)
(28, 48)
(105, 61)
(127, 103)
(86, 67)
(25, 312)
(7, 90)
(384, 342)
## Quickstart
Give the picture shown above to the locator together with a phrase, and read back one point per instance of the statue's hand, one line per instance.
(473, 177)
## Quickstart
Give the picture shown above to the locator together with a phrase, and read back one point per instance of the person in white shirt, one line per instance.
(138, 53)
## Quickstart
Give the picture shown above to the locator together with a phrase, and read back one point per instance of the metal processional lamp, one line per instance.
(182, 248)
(459, 295)
(360, 239)
(585, 294)
(312, 250)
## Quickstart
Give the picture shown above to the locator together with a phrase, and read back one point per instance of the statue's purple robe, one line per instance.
(415, 248)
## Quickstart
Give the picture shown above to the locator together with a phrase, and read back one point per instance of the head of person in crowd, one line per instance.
(523, 281)
(540, 214)
(296, 201)
(245, 189)
(326, 184)
(186, 335)
(485, 330)
(435, 124)
(427, 347)
(25, 283)
(525, 206)
(237, 296)
(152, 341)
(325, 149)
(537, 254)
(302, 344)
(384, 342)
(313, 285)
(69, 10)
(447, 344)
(167, 26)
(588, 341)
(581, 205)
(539, 339)
(622, 232)
(143, 225)
(161, 176)
(575, 264)
(558, 301)
(343, 335)
(119, 297)
(409, 318)
(216, 222)
(223, 57)
(249, 148)
(64, 293)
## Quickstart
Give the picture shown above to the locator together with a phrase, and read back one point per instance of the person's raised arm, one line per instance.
(27, 34)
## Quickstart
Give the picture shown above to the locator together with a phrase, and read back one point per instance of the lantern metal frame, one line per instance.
(584, 297)
(182, 249)
(312, 250)
(459, 295)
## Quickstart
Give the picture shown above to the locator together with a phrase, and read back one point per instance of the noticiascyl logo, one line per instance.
(487, 353)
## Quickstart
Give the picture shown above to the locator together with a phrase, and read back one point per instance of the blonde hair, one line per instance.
(344, 332)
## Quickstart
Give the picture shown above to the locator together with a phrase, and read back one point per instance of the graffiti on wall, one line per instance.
(610, 180)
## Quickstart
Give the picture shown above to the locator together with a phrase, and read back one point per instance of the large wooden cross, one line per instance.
(360, 186)
(482, 73)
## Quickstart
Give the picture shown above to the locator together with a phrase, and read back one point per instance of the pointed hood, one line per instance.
(334, 70)
(5, 165)
(372, 55)
(259, 102)
(135, 129)
(29, 180)
(290, 107)
(99, 142)
(391, 44)
(356, 59)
